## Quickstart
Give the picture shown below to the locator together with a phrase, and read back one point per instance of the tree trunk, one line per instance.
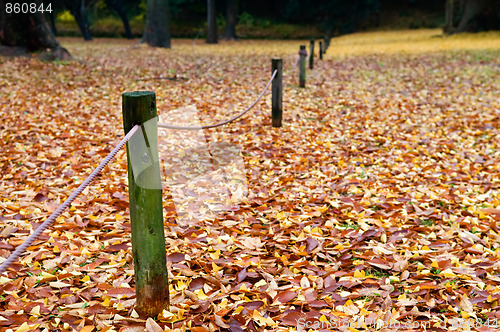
(212, 22)
(52, 22)
(450, 10)
(327, 39)
(479, 15)
(117, 6)
(79, 11)
(231, 19)
(30, 31)
(157, 30)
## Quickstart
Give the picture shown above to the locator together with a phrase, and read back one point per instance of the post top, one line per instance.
(138, 94)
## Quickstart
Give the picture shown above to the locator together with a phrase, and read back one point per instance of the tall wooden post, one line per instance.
(302, 66)
(311, 55)
(277, 89)
(321, 50)
(145, 197)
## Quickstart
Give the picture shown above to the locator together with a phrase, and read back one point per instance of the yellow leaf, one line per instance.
(359, 274)
(105, 303)
(215, 267)
(35, 311)
(316, 230)
(263, 321)
(119, 306)
(448, 273)
(182, 285)
(260, 283)
(4, 280)
(339, 246)
(435, 264)
(280, 216)
(215, 255)
(201, 295)
(165, 314)
(58, 284)
(25, 327)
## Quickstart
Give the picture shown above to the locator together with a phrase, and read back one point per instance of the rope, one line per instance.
(47, 223)
(163, 125)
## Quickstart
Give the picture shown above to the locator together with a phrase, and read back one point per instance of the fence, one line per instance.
(145, 190)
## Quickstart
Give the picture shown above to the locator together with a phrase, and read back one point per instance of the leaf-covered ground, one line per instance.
(377, 201)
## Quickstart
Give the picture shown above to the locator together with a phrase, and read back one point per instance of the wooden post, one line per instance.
(277, 89)
(321, 50)
(311, 55)
(145, 199)
(302, 66)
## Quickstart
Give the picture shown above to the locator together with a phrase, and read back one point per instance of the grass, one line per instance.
(414, 42)
(485, 45)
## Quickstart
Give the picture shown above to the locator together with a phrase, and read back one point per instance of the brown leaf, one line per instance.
(292, 318)
(285, 297)
(88, 328)
(220, 322)
(152, 326)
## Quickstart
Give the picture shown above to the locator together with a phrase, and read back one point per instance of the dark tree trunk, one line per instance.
(212, 22)
(79, 12)
(157, 29)
(327, 39)
(52, 21)
(449, 16)
(30, 31)
(231, 19)
(117, 5)
(479, 15)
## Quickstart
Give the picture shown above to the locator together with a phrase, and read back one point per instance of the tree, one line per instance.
(449, 16)
(340, 17)
(29, 31)
(479, 15)
(212, 22)
(231, 19)
(78, 9)
(117, 6)
(157, 29)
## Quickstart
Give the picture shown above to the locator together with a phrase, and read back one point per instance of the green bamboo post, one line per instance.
(321, 50)
(145, 197)
(311, 55)
(302, 66)
(277, 89)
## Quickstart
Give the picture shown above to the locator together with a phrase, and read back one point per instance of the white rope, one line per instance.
(47, 223)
